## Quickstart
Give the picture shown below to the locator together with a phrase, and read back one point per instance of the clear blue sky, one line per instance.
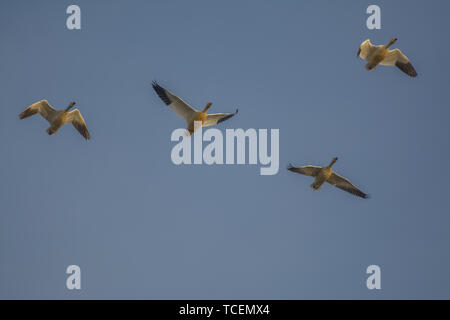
(141, 227)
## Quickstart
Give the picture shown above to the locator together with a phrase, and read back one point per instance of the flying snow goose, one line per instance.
(326, 174)
(188, 113)
(57, 118)
(381, 54)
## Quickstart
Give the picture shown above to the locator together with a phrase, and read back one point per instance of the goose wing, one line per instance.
(397, 58)
(365, 49)
(42, 107)
(311, 171)
(344, 184)
(215, 118)
(181, 108)
(78, 122)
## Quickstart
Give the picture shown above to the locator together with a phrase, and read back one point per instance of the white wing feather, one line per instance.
(393, 56)
(42, 107)
(78, 122)
(181, 108)
(215, 118)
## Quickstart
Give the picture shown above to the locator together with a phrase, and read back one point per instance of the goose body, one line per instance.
(58, 118)
(382, 55)
(188, 113)
(326, 174)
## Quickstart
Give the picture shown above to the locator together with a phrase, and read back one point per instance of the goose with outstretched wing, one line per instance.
(188, 113)
(326, 174)
(58, 118)
(382, 55)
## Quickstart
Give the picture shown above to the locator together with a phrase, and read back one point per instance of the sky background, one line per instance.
(141, 227)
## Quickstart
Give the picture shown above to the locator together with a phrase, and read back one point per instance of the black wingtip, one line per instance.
(407, 68)
(161, 92)
(290, 167)
(227, 117)
(155, 84)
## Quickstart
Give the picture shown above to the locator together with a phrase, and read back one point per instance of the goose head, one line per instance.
(333, 161)
(208, 105)
(71, 105)
(393, 40)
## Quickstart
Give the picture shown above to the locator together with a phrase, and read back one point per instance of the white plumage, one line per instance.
(57, 118)
(188, 113)
(381, 54)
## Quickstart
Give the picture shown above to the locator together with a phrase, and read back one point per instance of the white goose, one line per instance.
(57, 118)
(189, 114)
(381, 54)
(326, 174)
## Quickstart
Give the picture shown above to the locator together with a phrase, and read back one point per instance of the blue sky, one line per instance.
(141, 227)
